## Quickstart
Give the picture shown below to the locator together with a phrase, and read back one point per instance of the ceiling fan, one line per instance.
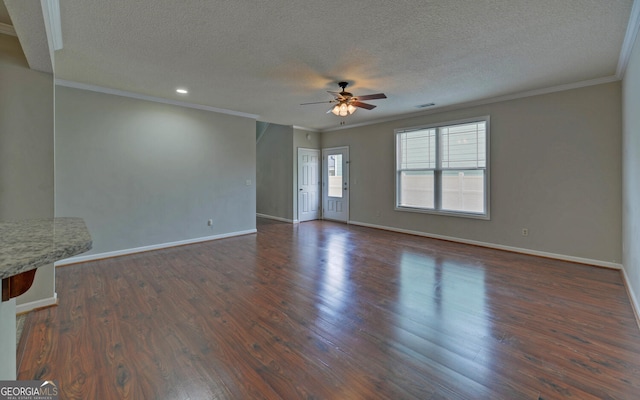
(346, 103)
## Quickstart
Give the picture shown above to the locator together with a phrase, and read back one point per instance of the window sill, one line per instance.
(444, 213)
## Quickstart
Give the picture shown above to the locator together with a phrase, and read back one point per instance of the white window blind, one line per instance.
(464, 146)
(443, 169)
(418, 149)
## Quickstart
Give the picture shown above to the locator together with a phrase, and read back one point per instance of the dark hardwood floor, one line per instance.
(323, 310)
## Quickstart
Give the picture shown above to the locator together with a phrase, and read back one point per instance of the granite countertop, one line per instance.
(29, 244)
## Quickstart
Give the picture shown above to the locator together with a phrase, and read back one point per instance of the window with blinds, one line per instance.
(443, 168)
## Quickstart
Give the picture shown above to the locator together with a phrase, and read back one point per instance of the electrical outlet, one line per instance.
(210, 222)
(525, 232)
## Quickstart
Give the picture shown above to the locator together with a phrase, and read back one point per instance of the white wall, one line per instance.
(8, 340)
(143, 173)
(555, 169)
(631, 174)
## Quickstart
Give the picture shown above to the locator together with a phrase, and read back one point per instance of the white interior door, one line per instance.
(308, 184)
(335, 183)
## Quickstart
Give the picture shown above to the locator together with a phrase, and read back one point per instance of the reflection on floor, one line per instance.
(322, 310)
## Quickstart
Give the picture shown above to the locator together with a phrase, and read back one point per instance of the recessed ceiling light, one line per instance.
(182, 91)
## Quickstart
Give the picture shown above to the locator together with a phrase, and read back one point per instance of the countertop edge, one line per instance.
(53, 240)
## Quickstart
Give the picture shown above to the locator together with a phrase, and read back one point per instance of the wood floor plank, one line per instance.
(323, 310)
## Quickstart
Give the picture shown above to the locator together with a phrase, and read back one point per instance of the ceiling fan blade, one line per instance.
(372, 96)
(363, 105)
(337, 95)
(317, 102)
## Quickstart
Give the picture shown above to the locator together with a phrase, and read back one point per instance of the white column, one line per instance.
(8, 345)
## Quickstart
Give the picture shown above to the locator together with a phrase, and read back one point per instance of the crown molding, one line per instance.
(138, 96)
(7, 29)
(52, 23)
(629, 39)
(303, 128)
(490, 100)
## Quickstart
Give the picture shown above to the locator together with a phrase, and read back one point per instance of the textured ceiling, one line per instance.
(28, 22)
(267, 57)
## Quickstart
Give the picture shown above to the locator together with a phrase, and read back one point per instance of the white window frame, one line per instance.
(438, 170)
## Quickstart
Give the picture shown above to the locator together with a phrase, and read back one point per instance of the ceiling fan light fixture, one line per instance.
(346, 103)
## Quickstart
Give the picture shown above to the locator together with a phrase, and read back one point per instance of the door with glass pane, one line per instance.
(335, 183)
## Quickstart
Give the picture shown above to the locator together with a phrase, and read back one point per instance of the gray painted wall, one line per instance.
(305, 140)
(555, 169)
(26, 172)
(631, 174)
(277, 169)
(26, 150)
(143, 173)
(274, 162)
(26, 143)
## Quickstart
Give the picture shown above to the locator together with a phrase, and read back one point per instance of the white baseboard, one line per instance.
(290, 221)
(99, 256)
(562, 257)
(33, 305)
(635, 304)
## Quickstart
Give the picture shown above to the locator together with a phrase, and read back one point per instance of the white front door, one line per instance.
(308, 184)
(335, 183)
